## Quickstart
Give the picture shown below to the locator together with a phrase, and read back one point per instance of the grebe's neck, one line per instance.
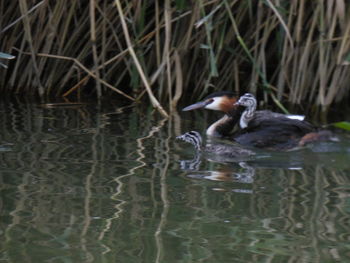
(224, 126)
(247, 115)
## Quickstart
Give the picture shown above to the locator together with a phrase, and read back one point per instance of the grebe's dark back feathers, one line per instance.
(262, 120)
(276, 133)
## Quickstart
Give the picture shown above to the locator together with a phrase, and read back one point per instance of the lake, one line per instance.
(110, 183)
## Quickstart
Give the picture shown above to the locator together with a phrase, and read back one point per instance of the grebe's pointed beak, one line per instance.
(197, 105)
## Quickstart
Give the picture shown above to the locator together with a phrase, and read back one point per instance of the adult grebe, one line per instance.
(225, 150)
(225, 101)
(275, 132)
(220, 101)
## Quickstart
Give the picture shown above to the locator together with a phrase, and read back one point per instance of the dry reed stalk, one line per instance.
(157, 29)
(166, 49)
(154, 101)
(283, 24)
(22, 17)
(86, 70)
(27, 31)
(179, 80)
(94, 48)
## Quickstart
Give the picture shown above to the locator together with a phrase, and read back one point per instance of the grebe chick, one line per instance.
(228, 151)
(249, 102)
(250, 115)
(274, 132)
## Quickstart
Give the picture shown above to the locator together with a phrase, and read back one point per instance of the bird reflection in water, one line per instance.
(237, 164)
(244, 175)
(219, 153)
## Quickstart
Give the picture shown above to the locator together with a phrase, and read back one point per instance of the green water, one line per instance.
(92, 183)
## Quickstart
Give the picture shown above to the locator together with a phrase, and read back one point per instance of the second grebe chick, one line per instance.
(251, 117)
(225, 150)
(275, 132)
(249, 102)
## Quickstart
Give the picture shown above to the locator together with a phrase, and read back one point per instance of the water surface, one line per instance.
(89, 183)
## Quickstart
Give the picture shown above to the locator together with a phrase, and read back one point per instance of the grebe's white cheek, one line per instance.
(214, 105)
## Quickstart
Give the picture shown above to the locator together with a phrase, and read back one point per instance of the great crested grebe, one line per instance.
(275, 132)
(225, 101)
(219, 149)
(220, 101)
(263, 128)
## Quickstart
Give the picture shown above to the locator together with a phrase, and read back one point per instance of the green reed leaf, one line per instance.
(342, 125)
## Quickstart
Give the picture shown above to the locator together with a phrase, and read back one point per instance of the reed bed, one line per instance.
(295, 51)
